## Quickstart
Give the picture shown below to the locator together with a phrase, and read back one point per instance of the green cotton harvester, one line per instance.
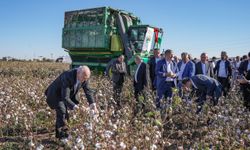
(96, 36)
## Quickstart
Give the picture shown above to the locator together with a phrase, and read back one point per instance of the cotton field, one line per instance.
(26, 122)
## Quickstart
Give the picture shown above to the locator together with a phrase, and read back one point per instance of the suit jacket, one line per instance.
(62, 89)
(208, 85)
(152, 67)
(118, 72)
(227, 67)
(243, 67)
(209, 70)
(189, 69)
(161, 70)
(141, 77)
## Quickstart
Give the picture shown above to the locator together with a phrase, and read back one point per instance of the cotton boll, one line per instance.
(98, 145)
(153, 147)
(134, 148)
(122, 145)
(40, 147)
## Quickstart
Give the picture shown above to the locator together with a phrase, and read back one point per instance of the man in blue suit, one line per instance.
(166, 74)
(207, 87)
(185, 68)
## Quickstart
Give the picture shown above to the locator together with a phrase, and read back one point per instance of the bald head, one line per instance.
(83, 73)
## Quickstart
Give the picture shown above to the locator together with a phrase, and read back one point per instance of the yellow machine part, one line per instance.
(116, 44)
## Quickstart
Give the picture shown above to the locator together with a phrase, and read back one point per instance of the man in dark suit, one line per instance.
(140, 82)
(207, 87)
(118, 77)
(224, 71)
(244, 70)
(203, 66)
(166, 70)
(152, 65)
(62, 95)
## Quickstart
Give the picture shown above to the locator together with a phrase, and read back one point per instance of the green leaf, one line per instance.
(158, 123)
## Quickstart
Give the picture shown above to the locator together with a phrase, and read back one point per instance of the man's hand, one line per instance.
(208, 97)
(243, 80)
(75, 107)
(186, 89)
(93, 107)
(171, 75)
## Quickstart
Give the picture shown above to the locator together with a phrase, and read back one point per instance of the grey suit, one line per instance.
(62, 94)
(118, 76)
(208, 69)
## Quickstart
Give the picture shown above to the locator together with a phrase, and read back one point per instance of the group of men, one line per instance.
(210, 79)
(166, 72)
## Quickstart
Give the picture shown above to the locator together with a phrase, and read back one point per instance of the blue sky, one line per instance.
(32, 28)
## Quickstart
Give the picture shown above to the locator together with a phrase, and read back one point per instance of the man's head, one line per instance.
(184, 57)
(244, 57)
(186, 84)
(168, 54)
(223, 55)
(213, 59)
(249, 55)
(176, 58)
(83, 73)
(157, 53)
(204, 57)
(190, 57)
(121, 58)
(137, 59)
(237, 58)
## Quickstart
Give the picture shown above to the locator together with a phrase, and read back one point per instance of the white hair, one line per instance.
(83, 69)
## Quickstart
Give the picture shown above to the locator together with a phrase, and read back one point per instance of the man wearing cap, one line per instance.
(207, 87)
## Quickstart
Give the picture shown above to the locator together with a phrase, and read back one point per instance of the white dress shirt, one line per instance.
(222, 69)
(248, 66)
(238, 64)
(203, 66)
(136, 72)
(170, 69)
(183, 65)
(157, 59)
